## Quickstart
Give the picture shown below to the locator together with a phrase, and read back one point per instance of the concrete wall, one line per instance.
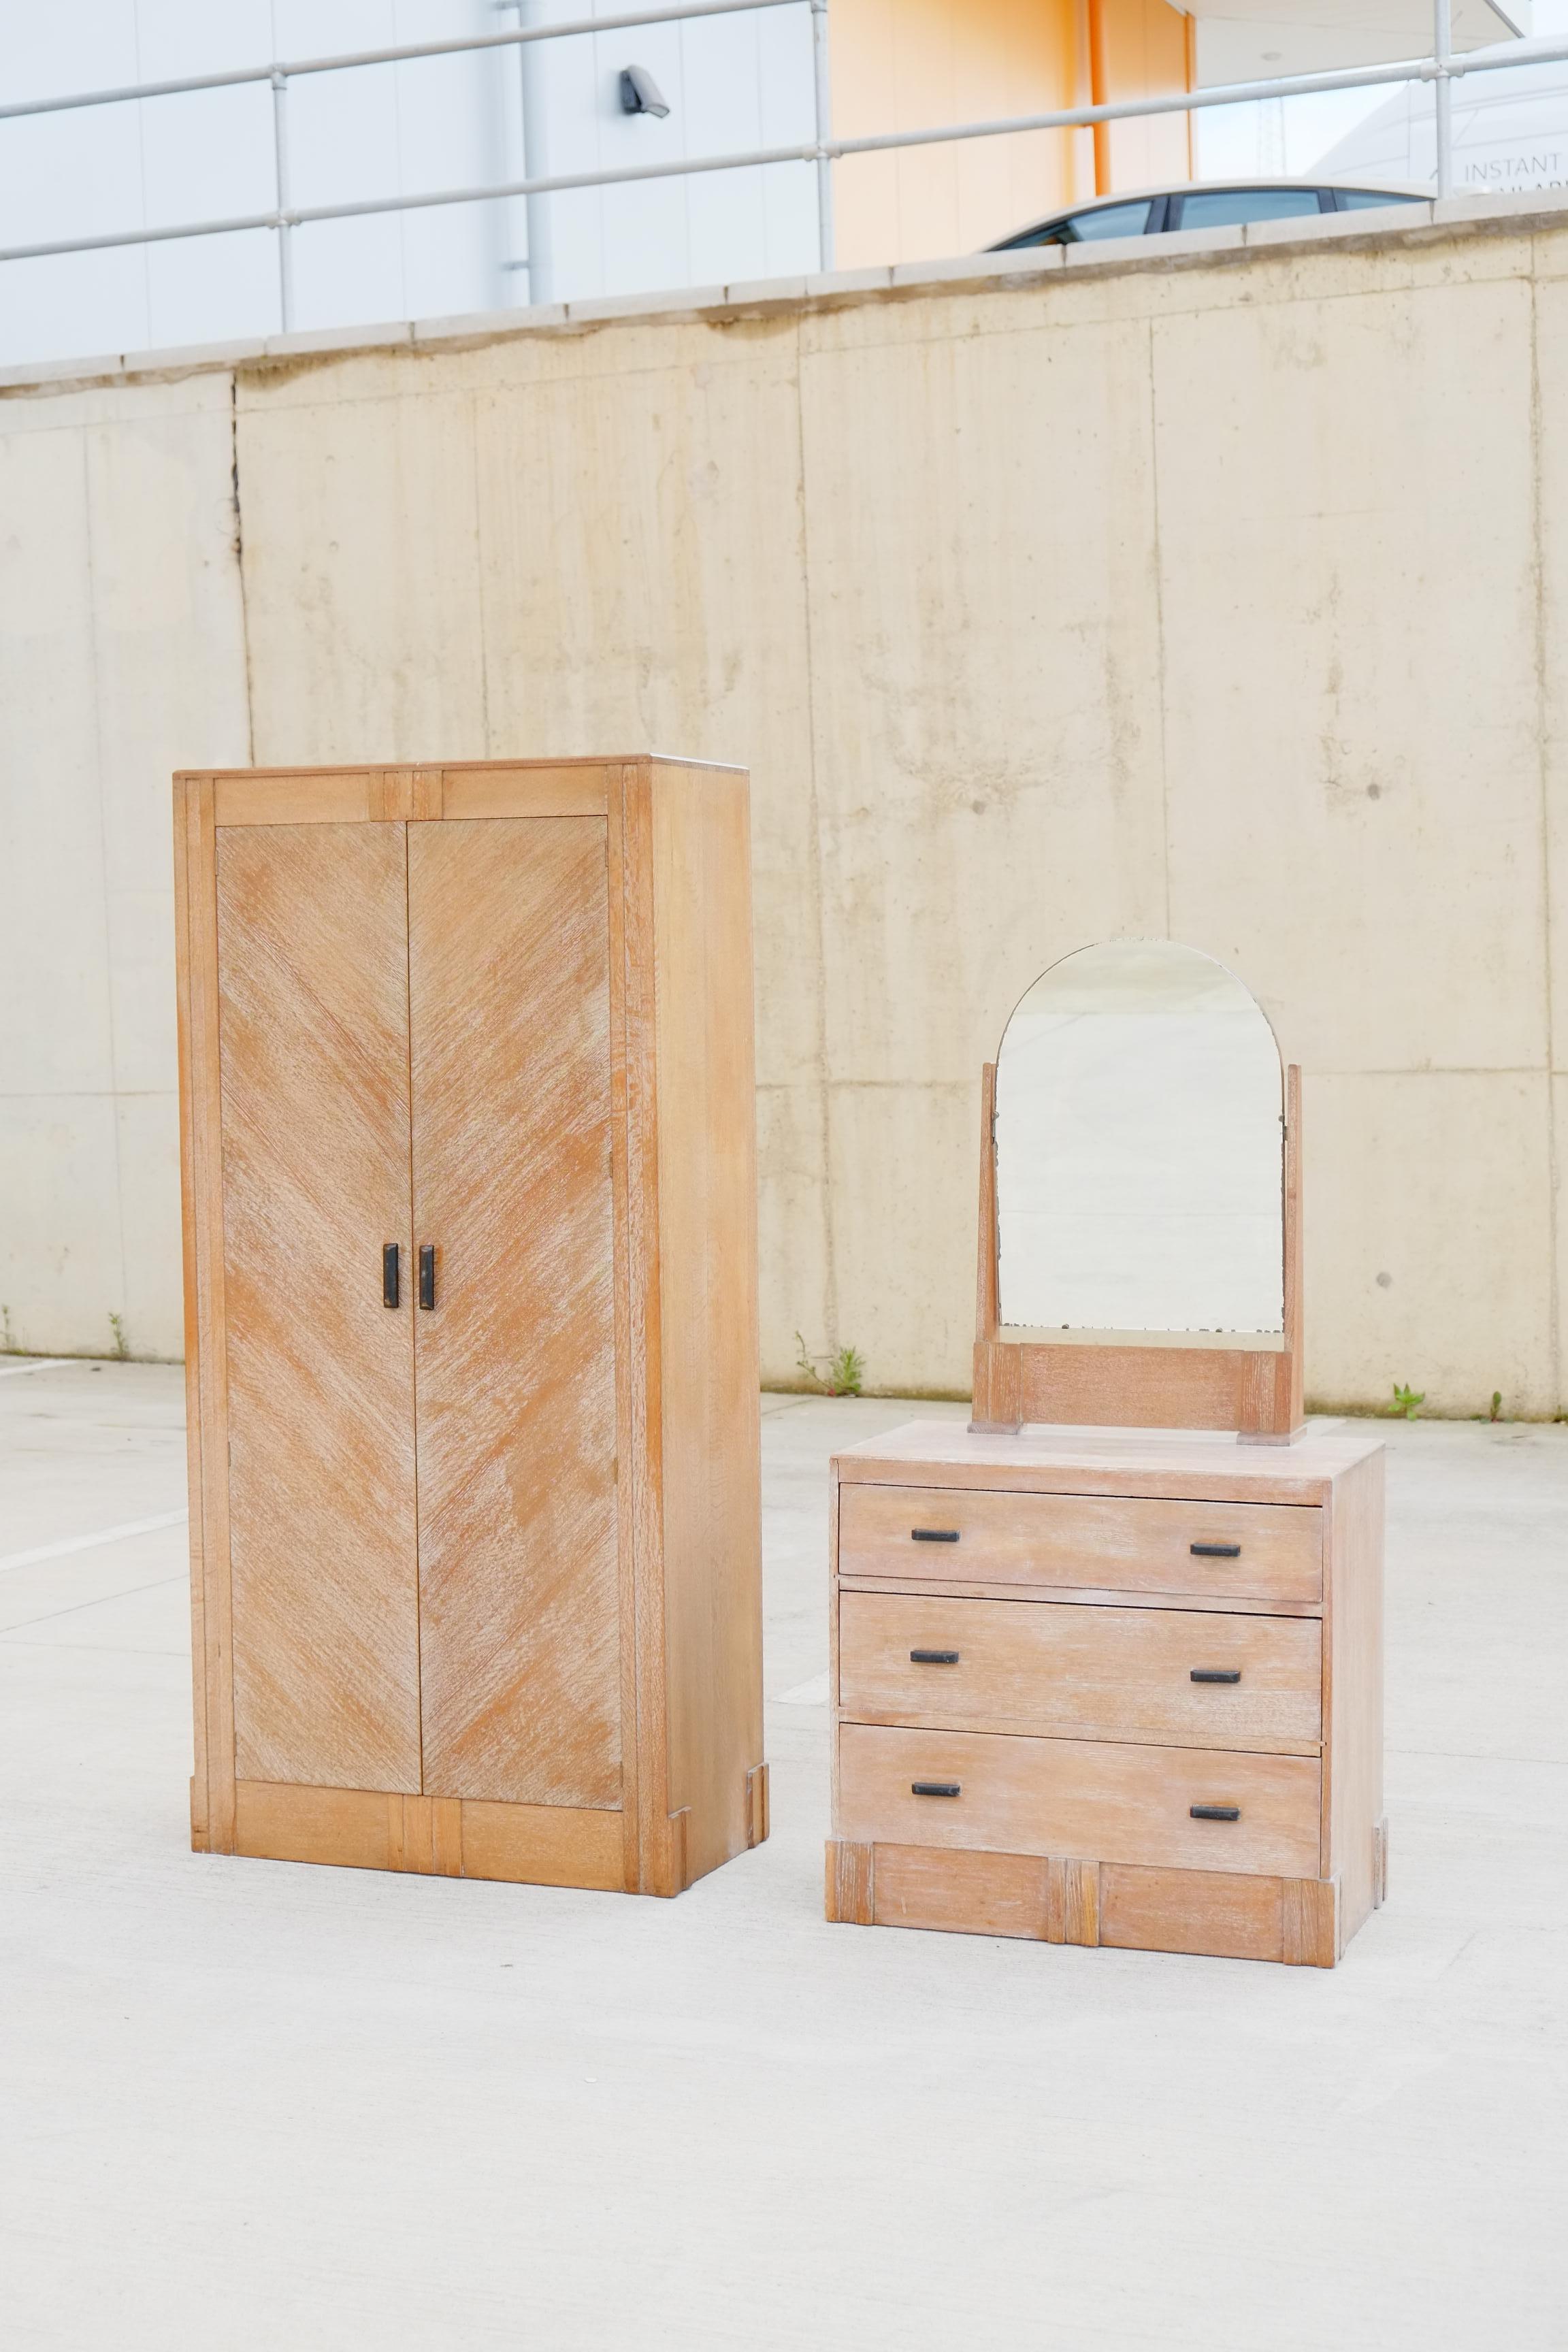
(121, 640)
(1214, 589)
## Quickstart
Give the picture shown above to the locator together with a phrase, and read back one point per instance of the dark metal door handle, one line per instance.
(1215, 1812)
(935, 1788)
(1215, 1551)
(1217, 1674)
(933, 1535)
(389, 1288)
(426, 1273)
(934, 1657)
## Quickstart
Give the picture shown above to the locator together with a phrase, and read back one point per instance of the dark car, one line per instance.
(1207, 207)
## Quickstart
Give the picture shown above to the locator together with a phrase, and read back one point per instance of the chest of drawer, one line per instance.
(1252, 1551)
(1175, 1676)
(1095, 1798)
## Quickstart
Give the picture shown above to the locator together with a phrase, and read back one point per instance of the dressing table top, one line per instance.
(1202, 1463)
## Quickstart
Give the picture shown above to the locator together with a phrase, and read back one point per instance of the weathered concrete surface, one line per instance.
(1221, 599)
(121, 641)
(250, 2105)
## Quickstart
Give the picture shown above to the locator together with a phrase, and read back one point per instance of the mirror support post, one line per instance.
(986, 1282)
(1280, 1415)
(997, 1390)
(1294, 1340)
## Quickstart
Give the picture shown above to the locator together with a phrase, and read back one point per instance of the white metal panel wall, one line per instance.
(732, 83)
(393, 129)
(208, 156)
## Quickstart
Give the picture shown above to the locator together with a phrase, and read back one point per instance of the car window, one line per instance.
(1105, 220)
(1229, 208)
(1364, 200)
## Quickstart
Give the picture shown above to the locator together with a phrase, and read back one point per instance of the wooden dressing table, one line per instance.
(1106, 1666)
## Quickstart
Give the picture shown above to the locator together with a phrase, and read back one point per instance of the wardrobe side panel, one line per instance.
(313, 1047)
(193, 924)
(1355, 1686)
(708, 1290)
(515, 1364)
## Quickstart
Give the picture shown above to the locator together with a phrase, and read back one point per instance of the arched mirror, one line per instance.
(1139, 1149)
(1139, 1202)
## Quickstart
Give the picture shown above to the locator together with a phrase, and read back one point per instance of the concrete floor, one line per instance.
(250, 2108)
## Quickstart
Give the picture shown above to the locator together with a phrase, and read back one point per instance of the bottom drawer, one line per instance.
(1096, 1798)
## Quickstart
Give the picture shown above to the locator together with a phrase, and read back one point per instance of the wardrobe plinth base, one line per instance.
(441, 1837)
(1052, 1899)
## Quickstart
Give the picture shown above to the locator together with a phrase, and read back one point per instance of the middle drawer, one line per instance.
(1175, 1677)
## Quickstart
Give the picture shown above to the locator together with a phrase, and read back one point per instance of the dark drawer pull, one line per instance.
(934, 1657)
(933, 1535)
(1217, 1674)
(1215, 1812)
(1215, 1551)
(389, 1291)
(935, 1788)
(426, 1275)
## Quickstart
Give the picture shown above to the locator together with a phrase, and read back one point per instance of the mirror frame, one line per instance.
(1252, 1385)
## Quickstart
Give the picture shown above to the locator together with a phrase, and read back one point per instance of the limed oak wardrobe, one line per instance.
(467, 1145)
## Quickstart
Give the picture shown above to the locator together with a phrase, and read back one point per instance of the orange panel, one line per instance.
(905, 65)
(1146, 50)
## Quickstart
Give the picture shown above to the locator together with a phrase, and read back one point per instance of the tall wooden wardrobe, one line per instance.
(468, 1164)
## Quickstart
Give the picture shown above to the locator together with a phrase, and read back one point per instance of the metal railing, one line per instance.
(1440, 65)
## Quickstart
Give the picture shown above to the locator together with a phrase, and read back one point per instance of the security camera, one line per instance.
(640, 94)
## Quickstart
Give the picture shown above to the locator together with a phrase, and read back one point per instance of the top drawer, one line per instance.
(1263, 1551)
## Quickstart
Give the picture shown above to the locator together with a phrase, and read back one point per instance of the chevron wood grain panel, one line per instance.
(508, 977)
(313, 970)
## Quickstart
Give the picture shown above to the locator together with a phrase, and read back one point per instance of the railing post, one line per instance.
(535, 164)
(1442, 50)
(280, 175)
(824, 133)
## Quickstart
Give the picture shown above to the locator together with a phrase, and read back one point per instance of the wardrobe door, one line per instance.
(313, 1042)
(509, 990)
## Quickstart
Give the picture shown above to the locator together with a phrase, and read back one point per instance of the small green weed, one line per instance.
(1407, 1402)
(844, 1373)
(8, 1337)
(1496, 1413)
(117, 1325)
